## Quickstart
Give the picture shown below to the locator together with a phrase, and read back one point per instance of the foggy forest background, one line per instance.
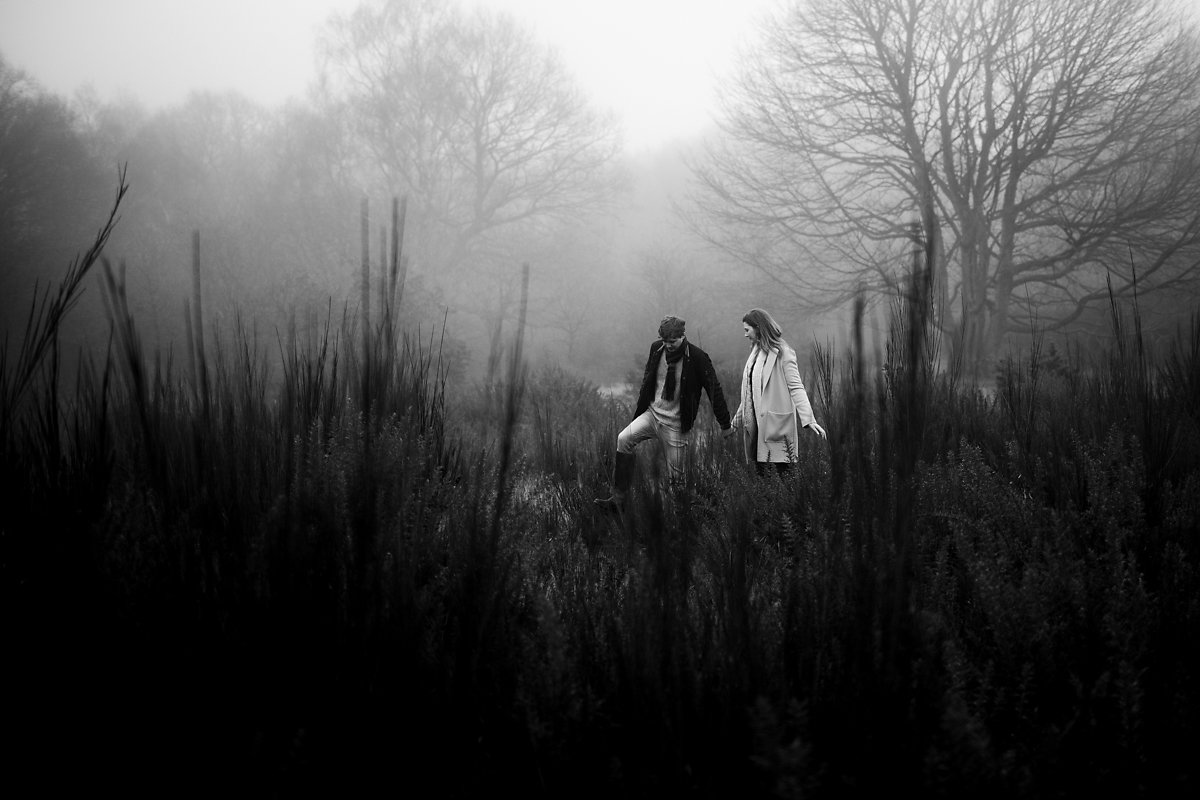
(276, 195)
(304, 407)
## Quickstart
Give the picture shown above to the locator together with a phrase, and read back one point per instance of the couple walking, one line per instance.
(773, 404)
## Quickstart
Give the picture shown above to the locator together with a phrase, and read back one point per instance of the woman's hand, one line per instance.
(817, 429)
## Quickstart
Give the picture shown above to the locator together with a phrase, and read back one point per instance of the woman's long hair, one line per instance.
(770, 335)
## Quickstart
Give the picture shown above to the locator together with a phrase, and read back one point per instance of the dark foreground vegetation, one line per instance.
(344, 578)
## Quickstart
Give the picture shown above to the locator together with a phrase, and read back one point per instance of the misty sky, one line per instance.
(652, 62)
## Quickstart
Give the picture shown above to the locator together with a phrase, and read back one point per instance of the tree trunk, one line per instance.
(972, 248)
(495, 348)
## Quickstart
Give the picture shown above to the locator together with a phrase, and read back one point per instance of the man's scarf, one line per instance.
(668, 392)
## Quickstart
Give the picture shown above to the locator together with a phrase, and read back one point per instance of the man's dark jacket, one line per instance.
(696, 373)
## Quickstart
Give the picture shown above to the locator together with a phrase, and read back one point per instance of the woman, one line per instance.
(773, 397)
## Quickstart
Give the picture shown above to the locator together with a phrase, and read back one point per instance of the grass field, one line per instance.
(345, 578)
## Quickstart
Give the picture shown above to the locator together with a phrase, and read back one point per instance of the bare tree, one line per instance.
(482, 129)
(1057, 141)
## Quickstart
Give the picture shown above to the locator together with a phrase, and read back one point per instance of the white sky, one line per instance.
(654, 63)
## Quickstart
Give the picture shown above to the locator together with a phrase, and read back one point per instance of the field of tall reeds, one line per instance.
(343, 576)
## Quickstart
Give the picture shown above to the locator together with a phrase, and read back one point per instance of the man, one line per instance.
(676, 373)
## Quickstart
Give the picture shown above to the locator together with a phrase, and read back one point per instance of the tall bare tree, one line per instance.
(1056, 141)
(479, 125)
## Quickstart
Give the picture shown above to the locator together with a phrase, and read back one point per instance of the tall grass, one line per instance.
(344, 575)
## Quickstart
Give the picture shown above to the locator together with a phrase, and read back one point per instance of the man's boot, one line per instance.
(622, 479)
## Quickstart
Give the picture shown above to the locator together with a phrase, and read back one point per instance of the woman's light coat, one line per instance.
(780, 405)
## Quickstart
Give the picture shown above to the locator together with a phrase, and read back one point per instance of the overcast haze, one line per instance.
(652, 62)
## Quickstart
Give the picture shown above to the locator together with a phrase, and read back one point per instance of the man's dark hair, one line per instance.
(671, 327)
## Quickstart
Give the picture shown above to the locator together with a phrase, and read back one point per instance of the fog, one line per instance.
(216, 113)
(316, 483)
(264, 132)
